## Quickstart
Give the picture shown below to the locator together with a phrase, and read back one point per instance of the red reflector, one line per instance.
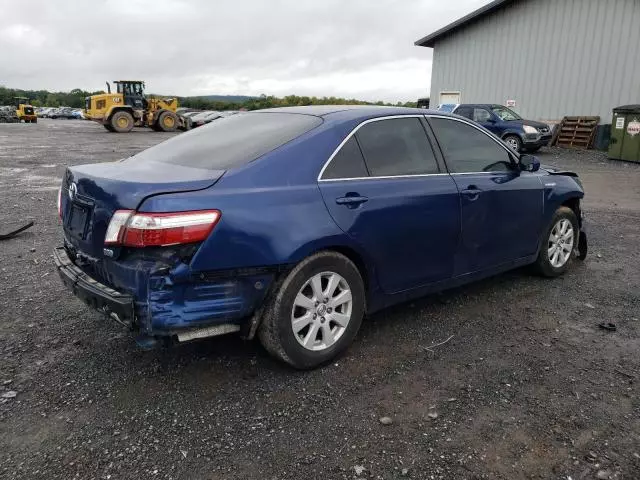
(160, 229)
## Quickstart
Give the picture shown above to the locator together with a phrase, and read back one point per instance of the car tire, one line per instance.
(556, 251)
(296, 304)
(514, 142)
(121, 122)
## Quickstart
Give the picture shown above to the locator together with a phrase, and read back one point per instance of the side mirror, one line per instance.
(529, 163)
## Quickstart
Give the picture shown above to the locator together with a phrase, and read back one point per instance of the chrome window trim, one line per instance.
(352, 133)
(385, 177)
(391, 117)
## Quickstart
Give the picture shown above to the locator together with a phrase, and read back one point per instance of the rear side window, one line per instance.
(397, 146)
(232, 141)
(347, 163)
(464, 112)
(467, 150)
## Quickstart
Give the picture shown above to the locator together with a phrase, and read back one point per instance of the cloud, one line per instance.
(351, 48)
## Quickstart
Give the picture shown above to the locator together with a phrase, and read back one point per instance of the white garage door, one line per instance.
(449, 97)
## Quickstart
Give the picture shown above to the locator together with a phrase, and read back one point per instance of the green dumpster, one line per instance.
(625, 134)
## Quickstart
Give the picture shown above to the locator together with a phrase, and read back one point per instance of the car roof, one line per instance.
(349, 112)
(486, 105)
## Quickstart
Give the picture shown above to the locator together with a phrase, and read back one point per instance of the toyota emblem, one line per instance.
(73, 190)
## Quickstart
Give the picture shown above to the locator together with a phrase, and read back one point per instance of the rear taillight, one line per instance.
(131, 229)
(60, 203)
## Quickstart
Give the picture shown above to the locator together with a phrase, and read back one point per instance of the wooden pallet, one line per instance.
(576, 132)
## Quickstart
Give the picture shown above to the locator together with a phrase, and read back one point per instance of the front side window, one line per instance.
(505, 114)
(468, 150)
(396, 146)
(347, 163)
(480, 115)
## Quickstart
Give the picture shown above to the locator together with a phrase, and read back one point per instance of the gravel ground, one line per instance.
(527, 387)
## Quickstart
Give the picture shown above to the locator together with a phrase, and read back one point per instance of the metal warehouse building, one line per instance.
(551, 58)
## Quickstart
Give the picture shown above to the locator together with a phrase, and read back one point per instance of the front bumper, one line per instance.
(92, 292)
(536, 141)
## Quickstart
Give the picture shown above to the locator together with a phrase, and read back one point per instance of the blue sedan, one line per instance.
(293, 224)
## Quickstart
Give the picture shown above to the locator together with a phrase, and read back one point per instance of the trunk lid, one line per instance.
(92, 193)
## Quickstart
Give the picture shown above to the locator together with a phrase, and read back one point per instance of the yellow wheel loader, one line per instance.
(24, 110)
(128, 107)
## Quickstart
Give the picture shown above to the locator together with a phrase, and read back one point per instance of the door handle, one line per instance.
(471, 192)
(351, 201)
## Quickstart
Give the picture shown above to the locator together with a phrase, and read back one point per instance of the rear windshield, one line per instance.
(232, 141)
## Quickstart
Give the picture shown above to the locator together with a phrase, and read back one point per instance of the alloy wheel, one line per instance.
(321, 311)
(513, 143)
(561, 242)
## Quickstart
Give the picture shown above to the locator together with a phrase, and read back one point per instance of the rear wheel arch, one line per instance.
(355, 255)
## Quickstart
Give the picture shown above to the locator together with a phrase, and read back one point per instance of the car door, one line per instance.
(501, 207)
(385, 189)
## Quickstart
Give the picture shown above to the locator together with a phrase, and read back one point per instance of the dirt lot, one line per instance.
(528, 387)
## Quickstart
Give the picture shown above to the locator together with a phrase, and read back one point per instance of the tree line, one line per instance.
(44, 98)
(271, 101)
(75, 99)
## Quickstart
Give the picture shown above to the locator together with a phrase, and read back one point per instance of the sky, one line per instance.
(347, 48)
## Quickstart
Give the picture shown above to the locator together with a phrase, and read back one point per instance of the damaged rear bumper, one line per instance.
(170, 302)
(92, 292)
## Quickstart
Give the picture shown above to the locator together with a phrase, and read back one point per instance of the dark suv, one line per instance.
(519, 134)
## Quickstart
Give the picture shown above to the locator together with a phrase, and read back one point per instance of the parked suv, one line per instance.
(518, 133)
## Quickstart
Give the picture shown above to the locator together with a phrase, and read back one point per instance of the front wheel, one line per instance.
(514, 142)
(316, 312)
(559, 244)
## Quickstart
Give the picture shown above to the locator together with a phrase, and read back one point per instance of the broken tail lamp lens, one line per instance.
(130, 229)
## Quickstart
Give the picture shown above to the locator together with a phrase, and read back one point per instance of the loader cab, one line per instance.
(132, 92)
(18, 101)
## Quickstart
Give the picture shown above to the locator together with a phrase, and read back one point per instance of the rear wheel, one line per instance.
(514, 142)
(559, 244)
(168, 121)
(121, 122)
(316, 312)
(35, 120)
